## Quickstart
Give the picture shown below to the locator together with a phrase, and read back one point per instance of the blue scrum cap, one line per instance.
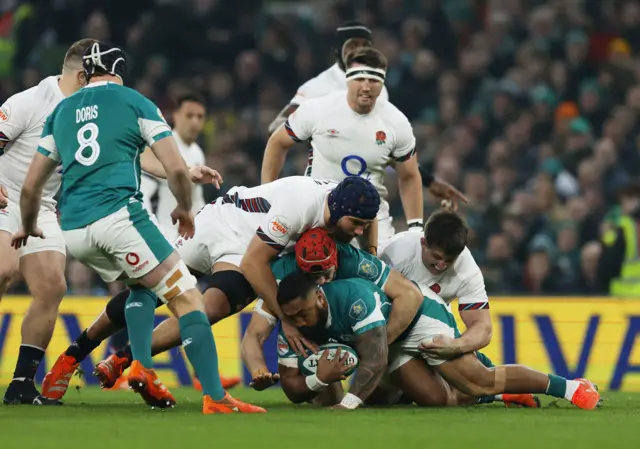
(354, 197)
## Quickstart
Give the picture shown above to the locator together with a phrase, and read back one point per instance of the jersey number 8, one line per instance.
(89, 150)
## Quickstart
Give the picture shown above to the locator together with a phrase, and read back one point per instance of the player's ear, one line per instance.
(320, 301)
(81, 78)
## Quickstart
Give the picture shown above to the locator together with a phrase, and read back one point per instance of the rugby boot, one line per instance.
(109, 370)
(228, 404)
(227, 382)
(56, 381)
(521, 400)
(586, 396)
(25, 392)
(145, 382)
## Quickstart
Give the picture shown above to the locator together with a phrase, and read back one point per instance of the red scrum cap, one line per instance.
(316, 251)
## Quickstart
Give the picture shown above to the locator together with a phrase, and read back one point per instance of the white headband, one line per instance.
(363, 71)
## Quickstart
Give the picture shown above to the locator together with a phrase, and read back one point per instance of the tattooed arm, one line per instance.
(372, 350)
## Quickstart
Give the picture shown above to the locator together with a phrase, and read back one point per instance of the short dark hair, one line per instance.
(446, 231)
(76, 52)
(190, 97)
(295, 285)
(368, 56)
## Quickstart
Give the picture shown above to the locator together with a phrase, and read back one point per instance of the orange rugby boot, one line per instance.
(586, 396)
(121, 384)
(56, 381)
(109, 370)
(521, 400)
(228, 404)
(145, 382)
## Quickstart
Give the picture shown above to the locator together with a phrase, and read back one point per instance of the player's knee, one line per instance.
(178, 290)
(8, 271)
(49, 288)
(236, 289)
(435, 398)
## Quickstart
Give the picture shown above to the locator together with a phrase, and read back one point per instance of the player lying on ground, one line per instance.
(342, 260)
(313, 254)
(105, 225)
(292, 203)
(354, 312)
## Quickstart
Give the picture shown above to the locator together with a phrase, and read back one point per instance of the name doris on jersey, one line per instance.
(87, 113)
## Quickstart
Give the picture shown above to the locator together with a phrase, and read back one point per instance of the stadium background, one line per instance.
(529, 107)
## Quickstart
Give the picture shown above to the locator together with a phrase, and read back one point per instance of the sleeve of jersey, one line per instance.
(277, 228)
(392, 255)
(286, 356)
(299, 124)
(259, 309)
(152, 125)
(405, 142)
(14, 119)
(473, 295)
(47, 144)
(363, 321)
(359, 263)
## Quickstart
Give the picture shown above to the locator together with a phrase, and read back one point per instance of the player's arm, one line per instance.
(282, 117)
(297, 128)
(372, 349)
(407, 299)
(40, 169)
(44, 162)
(255, 266)
(178, 177)
(406, 166)
(369, 239)
(251, 348)
(410, 186)
(199, 174)
(473, 305)
(15, 115)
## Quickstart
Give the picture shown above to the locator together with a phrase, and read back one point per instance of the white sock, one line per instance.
(498, 397)
(572, 386)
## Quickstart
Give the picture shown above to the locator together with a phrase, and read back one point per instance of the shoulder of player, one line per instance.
(323, 104)
(388, 112)
(466, 266)
(402, 242)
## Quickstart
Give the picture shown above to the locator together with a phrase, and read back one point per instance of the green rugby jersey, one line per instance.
(97, 134)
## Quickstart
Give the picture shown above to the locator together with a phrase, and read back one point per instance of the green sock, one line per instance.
(486, 361)
(200, 347)
(557, 386)
(139, 311)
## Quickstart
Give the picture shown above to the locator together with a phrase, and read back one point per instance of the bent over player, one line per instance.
(97, 136)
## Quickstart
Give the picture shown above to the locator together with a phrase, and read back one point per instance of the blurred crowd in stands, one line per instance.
(531, 108)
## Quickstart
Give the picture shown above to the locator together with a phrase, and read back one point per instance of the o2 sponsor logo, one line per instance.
(354, 165)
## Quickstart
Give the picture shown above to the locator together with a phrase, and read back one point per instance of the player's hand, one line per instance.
(261, 380)
(296, 340)
(445, 191)
(4, 197)
(332, 370)
(20, 238)
(339, 407)
(184, 218)
(201, 174)
(442, 347)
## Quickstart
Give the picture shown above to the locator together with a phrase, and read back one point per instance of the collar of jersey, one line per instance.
(98, 84)
(328, 323)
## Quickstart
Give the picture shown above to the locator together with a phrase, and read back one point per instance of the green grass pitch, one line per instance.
(94, 419)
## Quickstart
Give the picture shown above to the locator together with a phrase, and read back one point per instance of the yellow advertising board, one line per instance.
(573, 337)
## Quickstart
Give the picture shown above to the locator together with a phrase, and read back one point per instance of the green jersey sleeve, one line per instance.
(47, 144)
(357, 304)
(152, 125)
(356, 263)
(286, 356)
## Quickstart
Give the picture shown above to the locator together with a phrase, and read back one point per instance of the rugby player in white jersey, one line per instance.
(440, 261)
(188, 119)
(41, 262)
(353, 134)
(348, 37)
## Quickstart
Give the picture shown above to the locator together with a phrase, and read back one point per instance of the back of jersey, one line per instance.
(98, 135)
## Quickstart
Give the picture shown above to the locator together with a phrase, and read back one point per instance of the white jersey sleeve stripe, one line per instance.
(152, 130)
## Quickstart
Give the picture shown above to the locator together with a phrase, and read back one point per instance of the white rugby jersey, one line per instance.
(278, 212)
(345, 143)
(193, 155)
(331, 80)
(22, 119)
(463, 280)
